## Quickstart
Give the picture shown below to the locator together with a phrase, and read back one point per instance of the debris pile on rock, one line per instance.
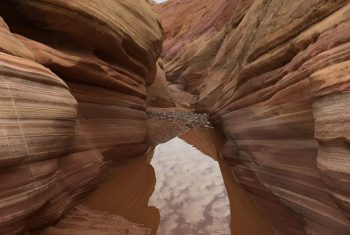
(192, 119)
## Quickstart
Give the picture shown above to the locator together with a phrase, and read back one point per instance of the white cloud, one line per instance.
(190, 192)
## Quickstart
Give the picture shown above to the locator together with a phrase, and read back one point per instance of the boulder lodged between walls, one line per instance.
(277, 82)
(73, 86)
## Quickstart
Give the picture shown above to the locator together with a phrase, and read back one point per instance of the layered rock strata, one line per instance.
(278, 86)
(194, 31)
(73, 85)
(158, 93)
(99, 223)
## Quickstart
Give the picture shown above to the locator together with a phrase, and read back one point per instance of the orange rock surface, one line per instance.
(158, 93)
(98, 223)
(276, 81)
(73, 86)
(194, 31)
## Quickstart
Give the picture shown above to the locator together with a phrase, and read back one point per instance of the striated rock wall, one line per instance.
(73, 86)
(159, 94)
(278, 85)
(80, 218)
(194, 31)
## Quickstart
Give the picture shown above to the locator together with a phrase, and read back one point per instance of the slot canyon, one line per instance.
(191, 117)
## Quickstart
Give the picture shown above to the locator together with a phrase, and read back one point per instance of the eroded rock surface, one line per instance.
(277, 82)
(73, 85)
(158, 93)
(194, 31)
(97, 222)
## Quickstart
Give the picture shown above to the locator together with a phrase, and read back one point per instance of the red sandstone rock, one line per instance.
(194, 31)
(277, 83)
(97, 222)
(73, 85)
(10, 45)
(159, 93)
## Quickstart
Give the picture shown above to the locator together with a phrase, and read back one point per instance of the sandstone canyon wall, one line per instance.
(194, 31)
(73, 86)
(275, 78)
(158, 93)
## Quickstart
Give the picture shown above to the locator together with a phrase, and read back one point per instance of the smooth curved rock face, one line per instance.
(73, 86)
(194, 31)
(158, 93)
(10, 45)
(279, 88)
(38, 117)
(98, 223)
(125, 32)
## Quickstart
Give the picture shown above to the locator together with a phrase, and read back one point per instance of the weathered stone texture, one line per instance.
(73, 86)
(277, 83)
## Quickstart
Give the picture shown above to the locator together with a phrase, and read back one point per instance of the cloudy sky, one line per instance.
(190, 193)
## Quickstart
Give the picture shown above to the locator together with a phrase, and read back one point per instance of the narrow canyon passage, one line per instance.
(181, 187)
(225, 117)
